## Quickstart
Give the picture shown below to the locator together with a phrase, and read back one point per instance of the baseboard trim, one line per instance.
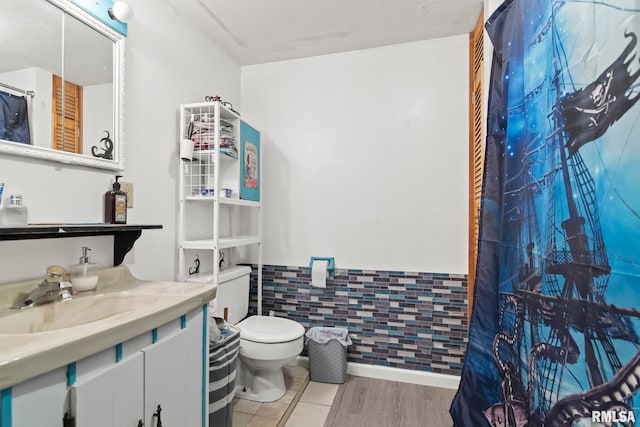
(395, 374)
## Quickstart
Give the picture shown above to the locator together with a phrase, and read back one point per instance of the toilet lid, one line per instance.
(269, 329)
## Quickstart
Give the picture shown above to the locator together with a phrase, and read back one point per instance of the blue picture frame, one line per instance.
(249, 162)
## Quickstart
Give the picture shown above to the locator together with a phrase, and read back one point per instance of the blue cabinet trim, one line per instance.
(205, 363)
(5, 408)
(118, 352)
(71, 373)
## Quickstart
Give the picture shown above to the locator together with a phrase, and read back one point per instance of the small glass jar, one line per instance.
(15, 213)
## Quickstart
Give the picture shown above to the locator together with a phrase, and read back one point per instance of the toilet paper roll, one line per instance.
(319, 273)
(186, 150)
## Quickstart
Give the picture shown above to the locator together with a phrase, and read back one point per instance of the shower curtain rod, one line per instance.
(30, 93)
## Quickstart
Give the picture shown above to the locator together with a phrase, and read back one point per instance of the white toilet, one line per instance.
(266, 343)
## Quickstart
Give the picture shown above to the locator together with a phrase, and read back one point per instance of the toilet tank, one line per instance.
(233, 293)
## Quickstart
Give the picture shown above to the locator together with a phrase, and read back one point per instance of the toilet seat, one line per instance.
(269, 329)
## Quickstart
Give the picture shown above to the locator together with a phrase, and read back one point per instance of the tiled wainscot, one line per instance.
(415, 321)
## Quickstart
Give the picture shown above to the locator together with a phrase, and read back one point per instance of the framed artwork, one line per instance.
(249, 162)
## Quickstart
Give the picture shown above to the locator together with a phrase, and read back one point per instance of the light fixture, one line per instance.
(121, 11)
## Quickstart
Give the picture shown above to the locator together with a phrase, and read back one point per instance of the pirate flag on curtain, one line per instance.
(554, 337)
(591, 110)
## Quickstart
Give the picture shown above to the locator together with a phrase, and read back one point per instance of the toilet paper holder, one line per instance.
(330, 266)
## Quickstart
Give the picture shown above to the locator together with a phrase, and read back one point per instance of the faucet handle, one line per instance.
(64, 295)
(65, 291)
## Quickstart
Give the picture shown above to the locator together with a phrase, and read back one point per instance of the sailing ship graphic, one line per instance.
(558, 340)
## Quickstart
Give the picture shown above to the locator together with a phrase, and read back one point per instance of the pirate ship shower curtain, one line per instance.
(554, 338)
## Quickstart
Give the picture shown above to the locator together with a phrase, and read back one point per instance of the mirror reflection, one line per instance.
(57, 79)
(31, 52)
(88, 93)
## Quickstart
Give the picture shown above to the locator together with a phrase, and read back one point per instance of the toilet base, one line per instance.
(259, 385)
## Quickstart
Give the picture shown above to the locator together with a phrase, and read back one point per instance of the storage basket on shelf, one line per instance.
(328, 354)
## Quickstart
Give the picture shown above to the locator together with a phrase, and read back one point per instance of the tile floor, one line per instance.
(314, 405)
(306, 404)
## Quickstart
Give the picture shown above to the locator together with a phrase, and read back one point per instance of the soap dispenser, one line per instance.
(84, 275)
(115, 204)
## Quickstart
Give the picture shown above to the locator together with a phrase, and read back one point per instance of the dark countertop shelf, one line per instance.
(124, 235)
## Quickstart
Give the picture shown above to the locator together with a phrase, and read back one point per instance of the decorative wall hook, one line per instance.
(196, 266)
(105, 146)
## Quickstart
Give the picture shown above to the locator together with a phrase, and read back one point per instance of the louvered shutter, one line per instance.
(476, 145)
(67, 127)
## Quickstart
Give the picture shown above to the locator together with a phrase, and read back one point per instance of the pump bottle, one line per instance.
(84, 275)
(115, 204)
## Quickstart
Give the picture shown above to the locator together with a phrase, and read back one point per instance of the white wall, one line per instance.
(365, 156)
(490, 7)
(168, 63)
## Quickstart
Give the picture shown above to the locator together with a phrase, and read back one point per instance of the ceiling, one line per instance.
(259, 31)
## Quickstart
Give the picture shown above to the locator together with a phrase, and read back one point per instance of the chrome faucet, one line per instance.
(53, 288)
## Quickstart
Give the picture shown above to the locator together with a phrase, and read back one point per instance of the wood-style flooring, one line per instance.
(369, 402)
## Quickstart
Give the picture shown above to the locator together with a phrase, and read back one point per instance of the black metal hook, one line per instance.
(196, 266)
(157, 415)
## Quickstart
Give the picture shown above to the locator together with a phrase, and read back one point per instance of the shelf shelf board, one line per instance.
(238, 202)
(199, 244)
(224, 201)
(198, 154)
(124, 235)
(200, 199)
(231, 242)
(223, 242)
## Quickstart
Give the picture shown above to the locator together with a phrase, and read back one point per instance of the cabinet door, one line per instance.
(165, 380)
(113, 397)
(40, 401)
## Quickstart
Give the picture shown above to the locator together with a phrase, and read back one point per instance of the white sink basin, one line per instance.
(38, 339)
(75, 312)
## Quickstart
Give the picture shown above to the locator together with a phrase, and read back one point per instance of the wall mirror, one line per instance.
(61, 79)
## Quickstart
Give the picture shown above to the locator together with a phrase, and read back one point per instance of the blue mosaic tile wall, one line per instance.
(415, 321)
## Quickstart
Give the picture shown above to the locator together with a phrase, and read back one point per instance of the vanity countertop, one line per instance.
(122, 307)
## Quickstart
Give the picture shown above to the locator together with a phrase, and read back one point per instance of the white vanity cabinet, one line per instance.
(166, 381)
(39, 401)
(112, 397)
(123, 385)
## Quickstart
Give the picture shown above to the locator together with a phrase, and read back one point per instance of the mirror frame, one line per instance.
(117, 164)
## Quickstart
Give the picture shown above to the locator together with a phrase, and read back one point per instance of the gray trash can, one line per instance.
(328, 354)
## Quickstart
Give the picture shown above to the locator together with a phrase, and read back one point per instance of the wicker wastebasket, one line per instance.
(327, 348)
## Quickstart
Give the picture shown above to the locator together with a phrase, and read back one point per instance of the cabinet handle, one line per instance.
(140, 423)
(157, 414)
(68, 420)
